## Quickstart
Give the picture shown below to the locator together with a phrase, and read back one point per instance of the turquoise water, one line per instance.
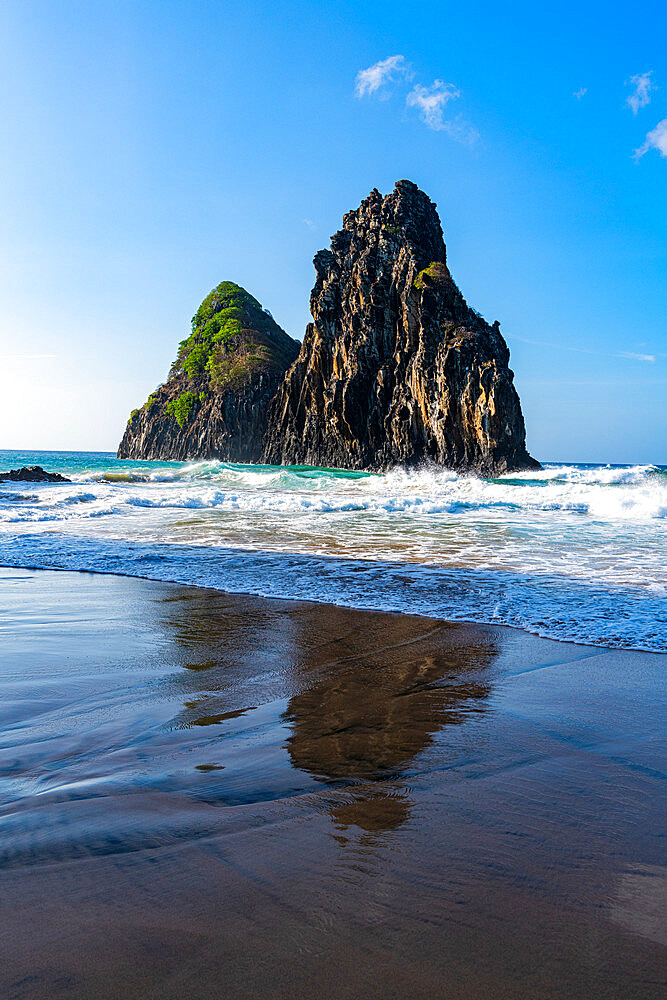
(573, 551)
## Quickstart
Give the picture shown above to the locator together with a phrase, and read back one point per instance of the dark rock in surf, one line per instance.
(32, 474)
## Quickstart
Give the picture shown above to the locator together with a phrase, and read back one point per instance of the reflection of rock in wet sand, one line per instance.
(368, 718)
(367, 691)
(373, 812)
(142, 858)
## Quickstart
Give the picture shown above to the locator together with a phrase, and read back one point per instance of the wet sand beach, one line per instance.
(209, 796)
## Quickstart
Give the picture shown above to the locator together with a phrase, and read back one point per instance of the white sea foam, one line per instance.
(633, 493)
(593, 529)
(406, 498)
(548, 605)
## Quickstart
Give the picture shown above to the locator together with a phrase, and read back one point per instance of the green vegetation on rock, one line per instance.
(181, 407)
(216, 327)
(231, 337)
(436, 271)
(195, 362)
(234, 370)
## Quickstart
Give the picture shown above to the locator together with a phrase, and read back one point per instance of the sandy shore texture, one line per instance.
(205, 796)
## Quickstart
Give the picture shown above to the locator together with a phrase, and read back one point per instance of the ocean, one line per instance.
(573, 552)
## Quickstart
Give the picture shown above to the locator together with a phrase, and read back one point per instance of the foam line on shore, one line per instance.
(554, 607)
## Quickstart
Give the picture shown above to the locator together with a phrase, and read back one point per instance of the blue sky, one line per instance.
(151, 150)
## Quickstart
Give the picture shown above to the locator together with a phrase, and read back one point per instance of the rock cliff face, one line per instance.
(396, 367)
(216, 400)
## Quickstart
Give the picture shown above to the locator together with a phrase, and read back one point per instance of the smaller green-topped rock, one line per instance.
(215, 402)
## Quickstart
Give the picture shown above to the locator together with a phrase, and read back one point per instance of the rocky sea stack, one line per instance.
(215, 402)
(396, 368)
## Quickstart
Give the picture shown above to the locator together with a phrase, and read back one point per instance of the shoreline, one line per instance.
(206, 794)
(328, 603)
(574, 555)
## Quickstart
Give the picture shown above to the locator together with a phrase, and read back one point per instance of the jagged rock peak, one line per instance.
(215, 401)
(396, 368)
(407, 212)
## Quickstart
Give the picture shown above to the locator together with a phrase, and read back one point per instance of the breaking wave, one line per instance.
(527, 549)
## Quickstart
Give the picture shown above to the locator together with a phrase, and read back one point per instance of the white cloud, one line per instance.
(655, 139)
(637, 357)
(580, 93)
(431, 101)
(643, 85)
(370, 81)
(309, 223)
